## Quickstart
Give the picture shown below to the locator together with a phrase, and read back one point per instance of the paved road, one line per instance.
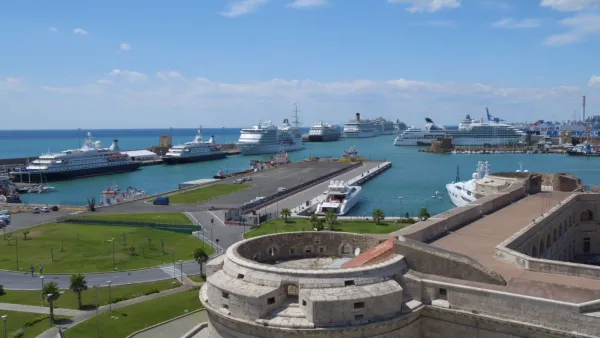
(226, 234)
(25, 220)
(176, 328)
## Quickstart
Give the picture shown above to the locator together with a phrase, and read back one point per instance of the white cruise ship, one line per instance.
(358, 128)
(194, 151)
(340, 198)
(324, 132)
(90, 160)
(463, 193)
(385, 127)
(469, 133)
(267, 138)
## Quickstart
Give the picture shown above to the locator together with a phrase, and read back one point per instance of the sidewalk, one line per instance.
(40, 309)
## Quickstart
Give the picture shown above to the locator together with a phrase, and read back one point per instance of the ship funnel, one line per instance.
(212, 140)
(357, 116)
(115, 145)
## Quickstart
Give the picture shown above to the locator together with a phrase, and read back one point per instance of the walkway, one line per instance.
(40, 309)
(176, 328)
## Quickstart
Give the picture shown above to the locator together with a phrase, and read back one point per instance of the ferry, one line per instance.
(340, 198)
(194, 151)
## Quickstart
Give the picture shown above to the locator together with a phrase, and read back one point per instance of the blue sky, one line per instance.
(140, 64)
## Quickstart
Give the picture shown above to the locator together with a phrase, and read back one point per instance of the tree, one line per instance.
(1, 289)
(51, 293)
(285, 213)
(200, 257)
(132, 250)
(378, 215)
(424, 214)
(162, 245)
(314, 219)
(25, 233)
(78, 285)
(331, 219)
(320, 225)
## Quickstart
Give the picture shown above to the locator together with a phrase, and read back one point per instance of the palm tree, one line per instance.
(320, 225)
(51, 293)
(78, 285)
(378, 215)
(285, 213)
(200, 257)
(424, 214)
(314, 219)
(25, 233)
(331, 219)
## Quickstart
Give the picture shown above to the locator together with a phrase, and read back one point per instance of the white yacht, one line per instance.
(463, 193)
(194, 151)
(267, 138)
(469, 133)
(358, 128)
(90, 160)
(324, 132)
(340, 198)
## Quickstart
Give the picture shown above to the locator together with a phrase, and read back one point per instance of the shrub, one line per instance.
(18, 334)
(149, 292)
(1, 289)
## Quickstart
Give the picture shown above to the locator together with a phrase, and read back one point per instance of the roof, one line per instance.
(140, 153)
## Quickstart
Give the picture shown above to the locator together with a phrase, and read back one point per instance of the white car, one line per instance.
(238, 181)
(45, 209)
(35, 210)
(281, 189)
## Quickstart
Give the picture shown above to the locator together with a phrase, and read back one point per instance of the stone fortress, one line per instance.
(506, 265)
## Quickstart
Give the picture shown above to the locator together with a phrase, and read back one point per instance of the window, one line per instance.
(225, 295)
(358, 317)
(240, 276)
(586, 245)
(443, 292)
(292, 251)
(308, 249)
(272, 251)
(225, 306)
(317, 240)
(542, 247)
(347, 249)
(587, 215)
(554, 238)
(359, 305)
(560, 230)
(271, 300)
(534, 252)
(303, 302)
(321, 249)
(548, 241)
(348, 282)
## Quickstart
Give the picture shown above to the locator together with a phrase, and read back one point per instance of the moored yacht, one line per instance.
(463, 193)
(90, 160)
(340, 198)
(324, 132)
(194, 151)
(267, 138)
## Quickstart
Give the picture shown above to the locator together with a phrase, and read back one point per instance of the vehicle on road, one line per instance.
(45, 209)
(281, 189)
(161, 201)
(238, 181)
(35, 210)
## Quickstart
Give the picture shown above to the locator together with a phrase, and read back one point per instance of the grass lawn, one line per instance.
(206, 193)
(87, 248)
(195, 278)
(32, 323)
(163, 218)
(301, 224)
(125, 321)
(68, 299)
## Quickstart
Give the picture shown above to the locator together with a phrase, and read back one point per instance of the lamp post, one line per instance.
(109, 298)
(42, 279)
(173, 258)
(97, 312)
(4, 322)
(17, 239)
(49, 297)
(217, 240)
(113, 251)
(211, 238)
(181, 270)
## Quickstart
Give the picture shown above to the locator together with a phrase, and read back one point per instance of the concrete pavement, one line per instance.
(40, 309)
(175, 328)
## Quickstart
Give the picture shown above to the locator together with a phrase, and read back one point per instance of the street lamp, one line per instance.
(49, 296)
(109, 299)
(173, 258)
(181, 270)
(211, 238)
(17, 239)
(4, 321)
(113, 251)
(42, 279)
(97, 311)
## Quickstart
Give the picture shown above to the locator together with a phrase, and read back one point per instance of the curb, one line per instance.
(165, 322)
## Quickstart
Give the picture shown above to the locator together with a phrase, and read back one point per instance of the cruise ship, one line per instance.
(324, 132)
(385, 127)
(194, 151)
(90, 160)
(267, 138)
(340, 198)
(358, 128)
(469, 133)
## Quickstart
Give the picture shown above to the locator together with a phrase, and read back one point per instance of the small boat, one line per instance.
(114, 195)
(45, 188)
(23, 190)
(340, 198)
(221, 175)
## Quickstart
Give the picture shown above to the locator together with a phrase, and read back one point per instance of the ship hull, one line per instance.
(260, 149)
(362, 134)
(42, 177)
(575, 153)
(192, 159)
(323, 138)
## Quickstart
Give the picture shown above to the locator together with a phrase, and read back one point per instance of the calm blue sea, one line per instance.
(415, 176)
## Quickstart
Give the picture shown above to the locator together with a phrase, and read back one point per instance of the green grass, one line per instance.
(32, 323)
(206, 193)
(68, 300)
(163, 218)
(87, 248)
(195, 278)
(125, 321)
(300, 224)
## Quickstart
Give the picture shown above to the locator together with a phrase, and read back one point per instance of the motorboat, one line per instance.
(339, 198)
(114, 195)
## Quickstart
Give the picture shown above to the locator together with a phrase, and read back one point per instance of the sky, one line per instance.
(218, 63)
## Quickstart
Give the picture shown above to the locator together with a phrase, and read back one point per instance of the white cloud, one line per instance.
(594, 81)
(52, 29)
(570, 5)
(495, 5)
(88, 89)
(80, 31)
(104, 82)
(131, 76)
(436, 23)
(307, 3)
(579, 27)
(169, 75)
(242, 7)
(11, 84)
(125, 47)
(512, 23)
(430, 6)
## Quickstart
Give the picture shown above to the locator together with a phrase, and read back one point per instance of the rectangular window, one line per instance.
(358, 317)
(225, 306)
(308, 249)
(443, 292)
(348, 282)
(292, 251)
(321, 249)
(586, 245)
(240, 276)
(359, 305)
(271, 300)
(225, 295)
(303, 302)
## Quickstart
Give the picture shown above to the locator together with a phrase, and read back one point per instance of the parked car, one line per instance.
(161, 201)
(281, 189)
(247, 179)
(238, 181)
(45, 209)
(54, 208)
(35, 210)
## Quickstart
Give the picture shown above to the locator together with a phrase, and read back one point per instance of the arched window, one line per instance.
(534, 252)
(548, 241)
(560, 230)
(587, 215)
(554, 238)
(542, 247)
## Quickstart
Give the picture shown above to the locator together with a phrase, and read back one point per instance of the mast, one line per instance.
(457, 179)
(296, 122)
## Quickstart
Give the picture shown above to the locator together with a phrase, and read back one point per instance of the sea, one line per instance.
(416, 179)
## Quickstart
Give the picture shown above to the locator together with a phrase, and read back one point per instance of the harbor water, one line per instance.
(416, 179)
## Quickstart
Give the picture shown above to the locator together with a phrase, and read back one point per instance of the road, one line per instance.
(25, 220)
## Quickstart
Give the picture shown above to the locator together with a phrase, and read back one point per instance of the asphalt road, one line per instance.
(27, 219)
